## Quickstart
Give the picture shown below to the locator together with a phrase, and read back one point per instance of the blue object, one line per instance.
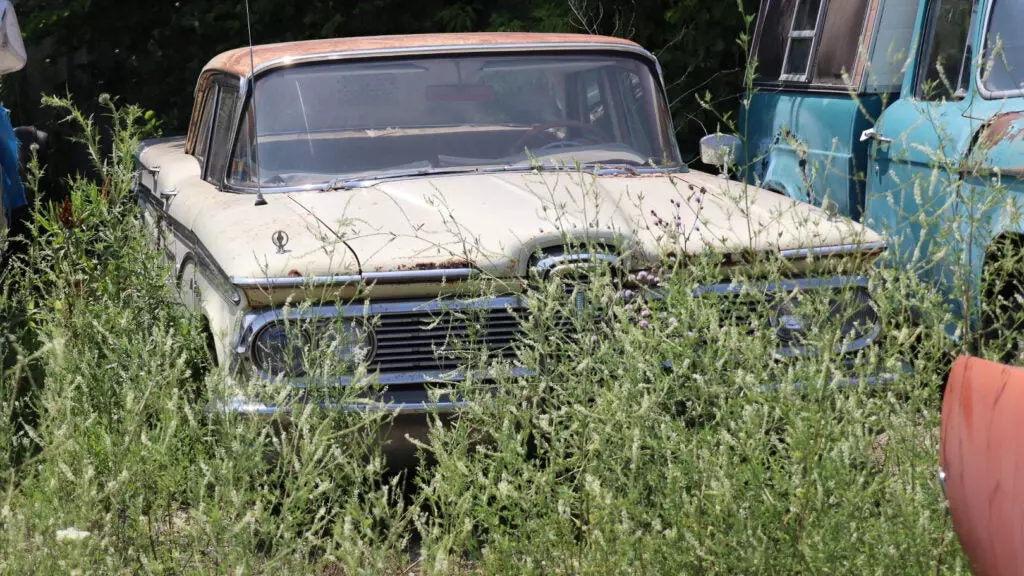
(13, 189)
(903, 127)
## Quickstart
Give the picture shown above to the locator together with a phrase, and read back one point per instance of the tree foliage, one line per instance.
(150, 53)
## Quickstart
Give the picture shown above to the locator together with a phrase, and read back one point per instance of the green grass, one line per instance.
(605, 463)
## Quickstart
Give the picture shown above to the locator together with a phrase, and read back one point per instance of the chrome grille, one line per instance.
(413, 338)
(446, 339)
(443, 339)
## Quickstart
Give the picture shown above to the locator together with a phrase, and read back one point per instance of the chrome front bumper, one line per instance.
(402, 402)
(419, 401)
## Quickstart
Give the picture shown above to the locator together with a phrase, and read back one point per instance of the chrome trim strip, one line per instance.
(244, 407)
(399, 277)
(797, 253)
(413, 276)
(395, 401)
(551, 263)
(404, 378)
(270, 283)
(784, 285)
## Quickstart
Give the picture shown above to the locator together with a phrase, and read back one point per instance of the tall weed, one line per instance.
(657, 436)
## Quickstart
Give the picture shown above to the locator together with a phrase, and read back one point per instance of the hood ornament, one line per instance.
(280, 240)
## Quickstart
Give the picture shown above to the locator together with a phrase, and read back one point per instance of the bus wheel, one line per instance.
(1002, 302)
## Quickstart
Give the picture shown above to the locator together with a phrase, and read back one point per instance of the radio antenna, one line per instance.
(260, 200)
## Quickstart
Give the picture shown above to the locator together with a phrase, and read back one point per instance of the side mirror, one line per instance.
(719, 149)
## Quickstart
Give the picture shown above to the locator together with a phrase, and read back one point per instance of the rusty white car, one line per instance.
(381, 176)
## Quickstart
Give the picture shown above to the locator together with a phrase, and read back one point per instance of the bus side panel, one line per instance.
(807, 145)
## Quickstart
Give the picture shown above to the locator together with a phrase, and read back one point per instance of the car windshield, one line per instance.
(1004, 47)
(324, 121)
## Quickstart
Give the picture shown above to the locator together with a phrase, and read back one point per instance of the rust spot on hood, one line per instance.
(1002, 126)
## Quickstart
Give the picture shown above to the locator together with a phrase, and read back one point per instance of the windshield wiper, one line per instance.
(350, 183)
(628, 167)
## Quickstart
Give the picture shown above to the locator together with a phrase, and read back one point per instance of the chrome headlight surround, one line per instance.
(284, 348)
(849, 302)
(849, 299)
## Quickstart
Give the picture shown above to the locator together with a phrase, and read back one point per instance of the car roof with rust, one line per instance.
(238, 61)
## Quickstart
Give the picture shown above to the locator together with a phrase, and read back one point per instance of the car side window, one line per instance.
(945, 58)
(223, 122)
(203, 129)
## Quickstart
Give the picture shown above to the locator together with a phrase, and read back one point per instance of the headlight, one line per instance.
(851, 312)
(289, 350)
(859, 321)
(278, 349)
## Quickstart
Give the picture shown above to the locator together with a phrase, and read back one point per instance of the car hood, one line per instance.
(495, 222)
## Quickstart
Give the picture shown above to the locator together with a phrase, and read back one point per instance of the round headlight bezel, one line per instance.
(853, 304)
(272, 358)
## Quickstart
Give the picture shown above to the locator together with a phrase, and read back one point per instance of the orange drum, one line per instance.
(982, 461)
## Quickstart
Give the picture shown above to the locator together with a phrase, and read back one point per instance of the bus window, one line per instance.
(840, 39)
(802, 35)
(776, 17)
(808, 41)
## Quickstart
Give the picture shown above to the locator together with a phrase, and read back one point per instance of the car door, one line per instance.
(918, 141)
